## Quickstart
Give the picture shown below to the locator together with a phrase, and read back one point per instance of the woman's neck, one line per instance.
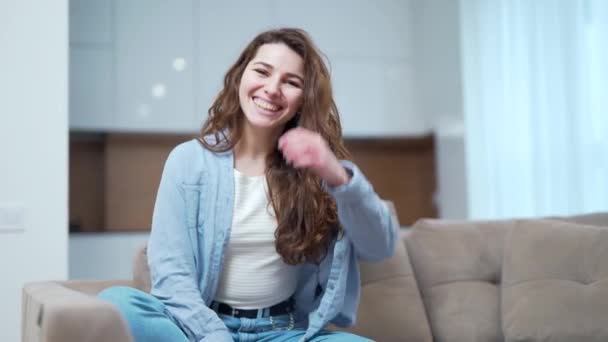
(254, 146)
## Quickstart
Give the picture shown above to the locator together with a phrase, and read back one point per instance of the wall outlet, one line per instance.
(12, 217)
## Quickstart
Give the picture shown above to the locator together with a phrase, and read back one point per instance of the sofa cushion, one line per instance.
(391, 308)
(590, 219)
(458, 268)
(141, 271)
(555, 282)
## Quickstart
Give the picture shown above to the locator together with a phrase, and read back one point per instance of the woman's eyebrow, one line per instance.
(269, 66)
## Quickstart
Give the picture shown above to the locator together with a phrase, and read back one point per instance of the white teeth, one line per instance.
(265, 105)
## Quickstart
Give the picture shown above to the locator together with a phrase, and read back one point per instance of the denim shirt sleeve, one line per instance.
(172, 261)
(365, 218)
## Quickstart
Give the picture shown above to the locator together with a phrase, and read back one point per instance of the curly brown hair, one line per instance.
(306, 213)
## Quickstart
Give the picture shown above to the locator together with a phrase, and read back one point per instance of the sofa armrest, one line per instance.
(93, 287)
(53, 312)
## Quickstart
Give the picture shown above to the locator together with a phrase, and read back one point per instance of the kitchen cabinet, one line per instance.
(91, 22)
(152, 66)
(154, 56)
(91, 96)
(132, 66)
(91, 89)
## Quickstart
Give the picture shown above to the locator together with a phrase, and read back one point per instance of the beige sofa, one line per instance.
(511, 280)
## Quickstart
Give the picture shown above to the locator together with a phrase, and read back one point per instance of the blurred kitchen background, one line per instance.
(143, 74)
(456, 109)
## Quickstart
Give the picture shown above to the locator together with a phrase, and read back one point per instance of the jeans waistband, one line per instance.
(283, 308)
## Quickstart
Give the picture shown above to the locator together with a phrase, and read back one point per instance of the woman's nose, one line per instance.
(273, 88)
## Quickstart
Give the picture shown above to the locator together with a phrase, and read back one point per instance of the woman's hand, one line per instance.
(305, 149)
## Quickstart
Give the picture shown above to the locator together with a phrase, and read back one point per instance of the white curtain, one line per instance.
(535, 80)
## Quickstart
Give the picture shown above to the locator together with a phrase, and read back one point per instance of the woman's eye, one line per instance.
(261, 71)
(294, 84)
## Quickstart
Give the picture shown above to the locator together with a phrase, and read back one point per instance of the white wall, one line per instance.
(33, 148)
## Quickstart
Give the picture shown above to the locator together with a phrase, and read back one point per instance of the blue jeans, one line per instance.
(149, 321)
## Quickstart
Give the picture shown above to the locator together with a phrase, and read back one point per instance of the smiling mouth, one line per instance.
(266, 105)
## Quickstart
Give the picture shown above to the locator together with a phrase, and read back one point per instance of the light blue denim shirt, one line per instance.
(190, 230)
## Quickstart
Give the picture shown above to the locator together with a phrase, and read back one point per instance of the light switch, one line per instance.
(12, 217)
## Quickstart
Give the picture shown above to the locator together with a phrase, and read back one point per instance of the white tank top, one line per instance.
(254, 275)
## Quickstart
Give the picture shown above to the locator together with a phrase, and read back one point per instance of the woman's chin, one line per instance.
(264, 121)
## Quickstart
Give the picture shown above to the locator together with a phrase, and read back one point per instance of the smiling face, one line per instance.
(271, 87)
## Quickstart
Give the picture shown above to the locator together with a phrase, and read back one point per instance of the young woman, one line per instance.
(259, 223)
